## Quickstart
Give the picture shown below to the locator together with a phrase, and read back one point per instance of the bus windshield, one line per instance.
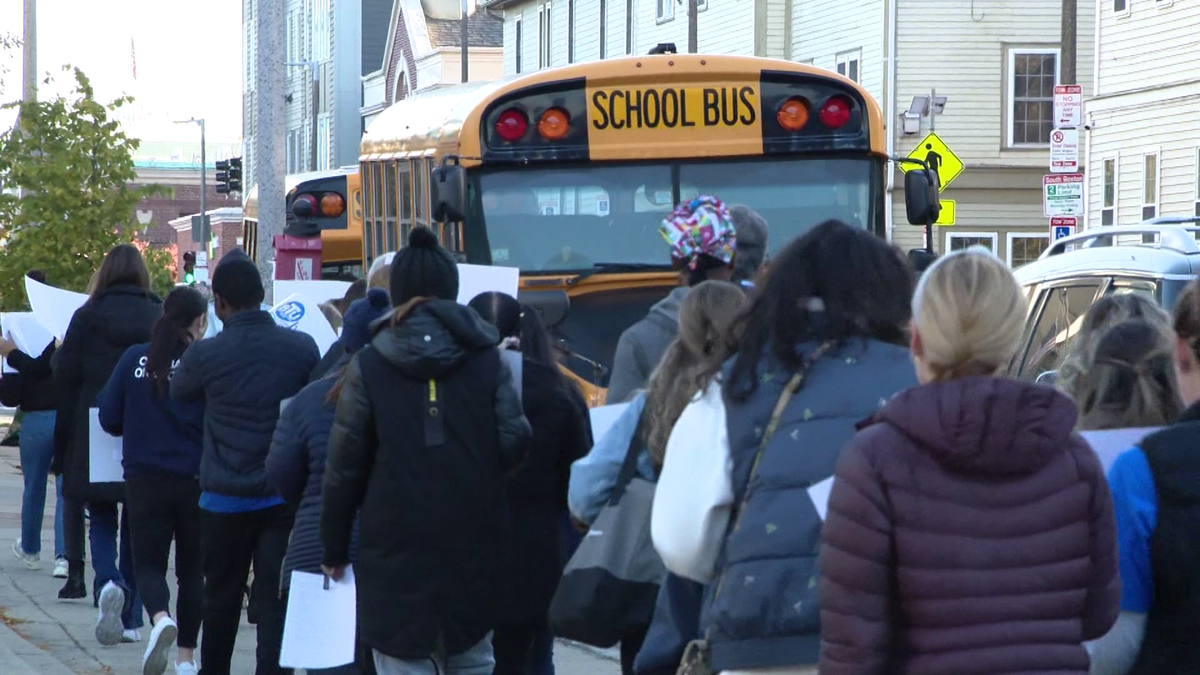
(573, 218)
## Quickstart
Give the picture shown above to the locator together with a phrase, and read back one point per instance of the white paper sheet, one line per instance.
(516, 365)
(52, 306)
(604, 417)
(26, 331)
(319, 290)
(819, 494)
(300, 313)
(1109, 444)
(318, 630)
(476, 279)
(104, 452)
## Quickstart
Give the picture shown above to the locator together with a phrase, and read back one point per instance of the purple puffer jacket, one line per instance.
(969, 531)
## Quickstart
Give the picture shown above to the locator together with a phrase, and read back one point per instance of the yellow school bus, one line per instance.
(341, 234)
(567, 173)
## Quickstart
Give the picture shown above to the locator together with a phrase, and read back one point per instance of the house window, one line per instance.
(1032, 76)
(1120, 6)
(519, 45)
(570, 31)
(957, 241)
(847, 64)
(1108, 193)
(628, 26)
(603, 28)
(1025, 248)
(544, 40)
(666, 10)
(1149, 186)
(701, 5)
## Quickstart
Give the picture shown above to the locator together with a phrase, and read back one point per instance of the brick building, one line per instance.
(226, 226)
(154, 215)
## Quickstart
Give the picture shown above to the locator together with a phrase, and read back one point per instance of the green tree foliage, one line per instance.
(8, 43)
(66, 170)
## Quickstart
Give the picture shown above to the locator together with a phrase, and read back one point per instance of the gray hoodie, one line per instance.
(642, 346)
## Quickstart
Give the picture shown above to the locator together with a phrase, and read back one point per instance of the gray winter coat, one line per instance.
(642, 346)
(765, 613)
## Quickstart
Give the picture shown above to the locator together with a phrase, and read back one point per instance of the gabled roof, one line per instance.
(483, 30)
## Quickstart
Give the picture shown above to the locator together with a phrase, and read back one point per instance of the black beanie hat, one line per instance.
(237, 281)
(423, 269)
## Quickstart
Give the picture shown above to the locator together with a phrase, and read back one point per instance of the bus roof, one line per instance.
(250, 205)
(432, 123)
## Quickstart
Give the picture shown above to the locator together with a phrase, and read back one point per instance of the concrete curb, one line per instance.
(20, 657)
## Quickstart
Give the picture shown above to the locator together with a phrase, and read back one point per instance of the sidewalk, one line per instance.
(44, 635)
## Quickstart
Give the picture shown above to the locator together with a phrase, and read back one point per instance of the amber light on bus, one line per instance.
(836, 112)
(332, 205)
(793, 114)
(512, 125)
(554, 124)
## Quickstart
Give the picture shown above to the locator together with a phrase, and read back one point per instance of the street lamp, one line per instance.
(203, 180)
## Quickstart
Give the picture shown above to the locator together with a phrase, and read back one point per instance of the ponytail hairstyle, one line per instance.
(1105, 313)
(688, 366)
(1130, 381)
(171, 334)
(970, 314)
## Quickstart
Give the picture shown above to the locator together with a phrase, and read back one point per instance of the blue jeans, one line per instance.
(37, 450)
(103, 535)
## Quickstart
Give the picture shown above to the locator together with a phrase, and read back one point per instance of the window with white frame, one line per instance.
(1149, 185)
(957, 241)
(701, 5)
(666, 10)
(1120, 6)
(848, 64)
(1032, 74)
(517, 38)
(321, 30)
(570, 31)
(544, 38)
(1024, 247)
(1108, 192)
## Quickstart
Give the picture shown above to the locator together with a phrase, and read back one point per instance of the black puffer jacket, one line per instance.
(427, 426)
(537, 490)
(296, 468)
(32, 386)
(243, 374)
(98, 336)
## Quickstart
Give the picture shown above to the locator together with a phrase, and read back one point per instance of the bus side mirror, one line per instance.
(921, 197)
(448, 192)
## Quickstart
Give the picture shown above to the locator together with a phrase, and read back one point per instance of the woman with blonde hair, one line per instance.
(969, 528)
(1130, 380)
(1102, 315)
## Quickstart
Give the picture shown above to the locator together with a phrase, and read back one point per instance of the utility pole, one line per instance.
(1070, 11)
(465, 40)
(270, 156)
(693, 29)
(29, 53)
(204, 236)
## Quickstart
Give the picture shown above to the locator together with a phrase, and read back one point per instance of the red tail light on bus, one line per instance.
(512, 125)
(836, 112)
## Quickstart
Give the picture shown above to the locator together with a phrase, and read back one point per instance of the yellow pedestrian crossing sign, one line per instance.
(935, 153)
(946, 215)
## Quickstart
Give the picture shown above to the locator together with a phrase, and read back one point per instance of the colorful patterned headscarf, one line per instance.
(700, 227)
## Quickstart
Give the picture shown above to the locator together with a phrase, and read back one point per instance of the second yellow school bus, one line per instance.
(570, 171)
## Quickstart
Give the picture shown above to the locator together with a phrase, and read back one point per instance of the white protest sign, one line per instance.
(25, 331)
(320, 622)
(105, 452)
(1110, 443)
(52, 306)
(1068, 106)
(299, 313)
(1062, 194)
(604, 417)
(319, 290)
(476, 279)
(1064, 151)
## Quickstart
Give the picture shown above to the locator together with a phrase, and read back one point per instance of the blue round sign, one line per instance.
(290, 312)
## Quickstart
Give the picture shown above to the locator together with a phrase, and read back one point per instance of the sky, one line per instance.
(189, 57)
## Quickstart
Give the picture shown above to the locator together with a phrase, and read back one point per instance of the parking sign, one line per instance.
(1061, 227)
(1068, 106)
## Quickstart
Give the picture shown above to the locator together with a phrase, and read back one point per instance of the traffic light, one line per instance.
(234, 182)
(223, 177)
(189, 268)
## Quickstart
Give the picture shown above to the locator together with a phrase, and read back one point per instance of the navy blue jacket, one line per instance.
(243, 374)
(296, 467)
(160, 434)
(766, 614)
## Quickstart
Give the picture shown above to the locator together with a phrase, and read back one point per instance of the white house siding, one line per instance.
(652, 31)
(510, 41)
(1167, 122)
(1154, 43)
(726, 27)
(775, 29)
(821, 31)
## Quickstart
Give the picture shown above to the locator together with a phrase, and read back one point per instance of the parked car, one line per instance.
(1153, 258)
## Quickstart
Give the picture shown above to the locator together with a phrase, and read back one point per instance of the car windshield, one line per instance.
(574, 218)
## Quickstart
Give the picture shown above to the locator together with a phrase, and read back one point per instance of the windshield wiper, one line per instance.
(616, 267)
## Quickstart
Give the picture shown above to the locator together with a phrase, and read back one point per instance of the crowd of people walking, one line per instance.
(845, 481)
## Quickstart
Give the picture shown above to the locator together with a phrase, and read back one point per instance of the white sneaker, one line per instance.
(60, 568)
(32, 561)
(162, 638)
(131, 635)
(109, 630)
(185, 668)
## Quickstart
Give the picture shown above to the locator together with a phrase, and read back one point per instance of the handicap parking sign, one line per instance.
(1062, 227)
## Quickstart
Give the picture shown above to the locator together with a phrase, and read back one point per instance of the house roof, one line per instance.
(497, 4)
(483, 30)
